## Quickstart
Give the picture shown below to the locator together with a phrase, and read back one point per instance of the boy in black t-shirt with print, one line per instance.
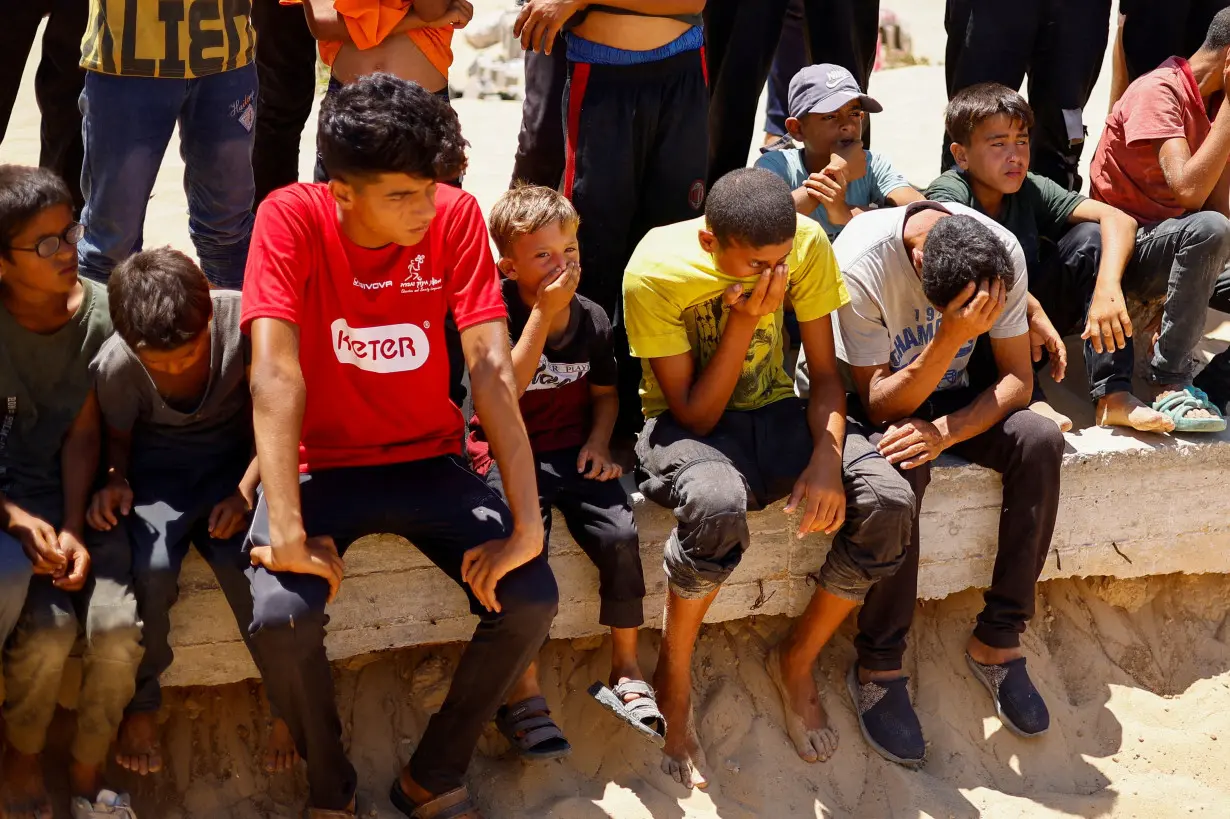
(564, 363)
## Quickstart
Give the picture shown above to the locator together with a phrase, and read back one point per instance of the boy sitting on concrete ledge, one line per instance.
(724, 434)
(1075, 248)
(926, 282)
(564, 365)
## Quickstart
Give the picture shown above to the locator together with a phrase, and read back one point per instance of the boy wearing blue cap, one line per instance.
(833, 178)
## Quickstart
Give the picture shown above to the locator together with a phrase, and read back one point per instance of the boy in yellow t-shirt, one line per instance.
(724, 433)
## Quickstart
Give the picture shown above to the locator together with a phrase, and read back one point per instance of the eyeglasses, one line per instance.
(50, 245)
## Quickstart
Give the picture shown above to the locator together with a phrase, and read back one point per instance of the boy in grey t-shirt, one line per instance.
(173, 388)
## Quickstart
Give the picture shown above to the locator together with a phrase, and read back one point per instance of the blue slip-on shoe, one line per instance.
(887, 719)
(1019, 705)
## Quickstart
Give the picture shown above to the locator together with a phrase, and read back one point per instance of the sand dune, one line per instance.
(1137, 675)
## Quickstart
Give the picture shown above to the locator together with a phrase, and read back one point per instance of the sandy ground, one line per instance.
(1136, 673)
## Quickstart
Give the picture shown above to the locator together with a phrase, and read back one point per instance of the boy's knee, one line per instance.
(710, 491)
(283, 611)
(1038, 439)
(1209, 228)
(529, 598)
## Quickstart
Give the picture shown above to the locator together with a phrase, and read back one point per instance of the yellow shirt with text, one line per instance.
(673, 305)
(168, 39)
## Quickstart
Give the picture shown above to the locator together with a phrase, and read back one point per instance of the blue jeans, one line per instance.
(127, 123)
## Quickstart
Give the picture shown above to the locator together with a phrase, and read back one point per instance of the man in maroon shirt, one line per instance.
(346, 294)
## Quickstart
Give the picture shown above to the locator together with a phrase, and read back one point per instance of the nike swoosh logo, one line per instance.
(833, 83)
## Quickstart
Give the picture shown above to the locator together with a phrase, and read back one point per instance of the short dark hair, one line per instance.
(382, 124)
(26, 192)
(971, 106)
(159, 300)
(752, 207)
(1218, 36)
(960, 250)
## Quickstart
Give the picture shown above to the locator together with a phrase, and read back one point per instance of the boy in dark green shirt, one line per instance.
(51, 325)
(1075, 248)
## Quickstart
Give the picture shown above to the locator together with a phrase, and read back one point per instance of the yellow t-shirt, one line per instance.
(673, 305)
(168, 39)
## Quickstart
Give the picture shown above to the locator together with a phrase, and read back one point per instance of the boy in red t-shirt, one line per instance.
(564, 363)
(347, 291)
(1163, 162)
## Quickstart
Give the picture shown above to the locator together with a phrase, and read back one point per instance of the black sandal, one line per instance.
(530, 730)
(454, 804)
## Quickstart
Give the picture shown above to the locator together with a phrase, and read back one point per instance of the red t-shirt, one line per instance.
(1126, 171)
(371, 323)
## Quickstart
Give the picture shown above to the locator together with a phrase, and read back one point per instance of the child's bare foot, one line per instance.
(25, 793)
(806, 722)
(280, 752)
(1122, 409)
(682, 756)
(137, 747)
(1047, 411)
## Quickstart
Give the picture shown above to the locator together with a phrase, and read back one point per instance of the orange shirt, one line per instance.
(370, 21)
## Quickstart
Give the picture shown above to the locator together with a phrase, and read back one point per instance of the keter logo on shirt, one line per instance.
(416, 282)
(391, 348)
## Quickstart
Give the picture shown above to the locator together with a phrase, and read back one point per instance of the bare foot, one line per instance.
(1122, 409)
(280, 752)
(682, 756)
(806, 722)
(25, 794)
(1047, 411)
(137, 748)
(986, 655)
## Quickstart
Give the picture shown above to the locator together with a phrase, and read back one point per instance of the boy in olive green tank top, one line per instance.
(51, 325)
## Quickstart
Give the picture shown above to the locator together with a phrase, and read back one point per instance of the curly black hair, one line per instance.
(960, 250)
(25, 192)
(159, 300)
(752, 207)
(1218, 36)
(382, 124)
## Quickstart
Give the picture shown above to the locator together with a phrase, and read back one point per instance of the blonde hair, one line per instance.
(527, 209)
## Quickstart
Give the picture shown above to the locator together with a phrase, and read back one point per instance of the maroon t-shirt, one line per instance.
(556, 405)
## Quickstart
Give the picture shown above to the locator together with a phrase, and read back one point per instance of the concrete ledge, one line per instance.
(1131, 506)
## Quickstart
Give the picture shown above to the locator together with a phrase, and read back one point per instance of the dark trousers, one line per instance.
(741, 38)
(57, 82)
(540, 145)
(1060, 43)
(434, 504)
(169, 515)
(1064, 284)
(1027, 450)
(1155, 31)
(635, 160)
(599, 518)
(286, 63)
(1215, 378)
(750, 460)
(790, 57)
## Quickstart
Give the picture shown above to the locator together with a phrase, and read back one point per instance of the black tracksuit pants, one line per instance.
(741, 38)
(57, 82)
(1059, 43)
(286, 68)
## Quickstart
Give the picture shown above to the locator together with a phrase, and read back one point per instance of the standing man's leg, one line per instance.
(286, 65)
(1153, 32)
(57, 87)
(126, 124)
(845, 33)
(16, 38)
(540, 145)
(788, 60)
(1062, 73)
(988, 41)
(741, 37)
(216, 144)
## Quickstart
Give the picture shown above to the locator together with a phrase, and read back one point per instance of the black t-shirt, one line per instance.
(556, 405)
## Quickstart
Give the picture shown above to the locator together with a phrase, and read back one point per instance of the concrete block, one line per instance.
(1131, 506)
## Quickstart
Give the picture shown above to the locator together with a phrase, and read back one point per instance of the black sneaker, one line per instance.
(1019, 705)
(887, 719)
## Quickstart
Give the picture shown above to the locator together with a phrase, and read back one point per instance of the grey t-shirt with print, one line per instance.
(218, 430)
